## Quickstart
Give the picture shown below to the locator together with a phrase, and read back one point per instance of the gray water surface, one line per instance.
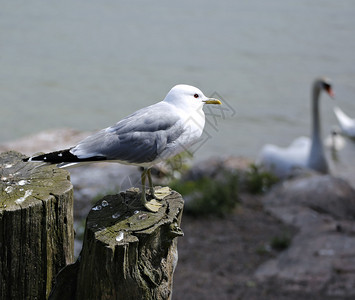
(87, 64)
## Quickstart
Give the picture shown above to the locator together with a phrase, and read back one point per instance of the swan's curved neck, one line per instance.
(316, 130)
(317, 159)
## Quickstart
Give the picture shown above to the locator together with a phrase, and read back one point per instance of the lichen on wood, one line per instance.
(128, 252)
(36, 226)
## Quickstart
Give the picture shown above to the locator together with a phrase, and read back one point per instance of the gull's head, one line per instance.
(183, 95)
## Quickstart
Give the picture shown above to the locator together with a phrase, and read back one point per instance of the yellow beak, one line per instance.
(212, 101)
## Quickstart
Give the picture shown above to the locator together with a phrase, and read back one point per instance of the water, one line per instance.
(86, 64)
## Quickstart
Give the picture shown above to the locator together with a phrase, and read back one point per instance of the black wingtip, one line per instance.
(52, 157)
(62, 156)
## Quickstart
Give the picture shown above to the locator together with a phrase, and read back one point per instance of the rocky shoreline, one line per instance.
(318, 210)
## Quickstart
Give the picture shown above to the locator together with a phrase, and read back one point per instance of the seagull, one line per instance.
(144, 138)
(303, 151)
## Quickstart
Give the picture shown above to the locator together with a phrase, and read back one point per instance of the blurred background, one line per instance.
(87, 64)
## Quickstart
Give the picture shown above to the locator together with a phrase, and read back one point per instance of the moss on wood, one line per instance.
(36, 226)
(128, 252)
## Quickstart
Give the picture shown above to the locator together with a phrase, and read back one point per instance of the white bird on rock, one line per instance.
(144, 138)
(303, 152)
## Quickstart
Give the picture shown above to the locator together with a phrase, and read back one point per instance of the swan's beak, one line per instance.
(330, 92)
(212, 101)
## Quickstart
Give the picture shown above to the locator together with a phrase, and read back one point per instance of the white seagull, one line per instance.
(303, 152)
(144, 138)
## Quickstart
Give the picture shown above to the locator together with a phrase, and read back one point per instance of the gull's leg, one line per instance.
(143, 198)
(151, 187)
(152, 205)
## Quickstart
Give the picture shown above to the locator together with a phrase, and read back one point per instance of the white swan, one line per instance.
(347, 125)
(303, 152)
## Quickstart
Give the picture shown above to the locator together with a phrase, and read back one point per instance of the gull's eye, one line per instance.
(196, 95)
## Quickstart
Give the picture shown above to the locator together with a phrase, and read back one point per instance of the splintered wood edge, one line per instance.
(24, 183)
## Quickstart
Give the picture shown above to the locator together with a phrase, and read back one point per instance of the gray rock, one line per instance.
(321, 256)
(323, 194)
(215, 167)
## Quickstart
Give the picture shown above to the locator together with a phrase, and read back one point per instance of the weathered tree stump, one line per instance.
(36, 227)
(128, 252)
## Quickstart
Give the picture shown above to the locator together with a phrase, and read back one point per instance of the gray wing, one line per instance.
(138, 138)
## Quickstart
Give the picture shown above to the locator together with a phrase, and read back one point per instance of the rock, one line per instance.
(207, 168)
(215, 167)
(323, 209)
(323, 194)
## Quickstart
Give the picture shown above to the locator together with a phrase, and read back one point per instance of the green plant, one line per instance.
(281, 243)
(258, 181)
(208, 196)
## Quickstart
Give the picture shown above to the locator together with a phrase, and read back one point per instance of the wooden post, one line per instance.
(128, 252)
(36, 227)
